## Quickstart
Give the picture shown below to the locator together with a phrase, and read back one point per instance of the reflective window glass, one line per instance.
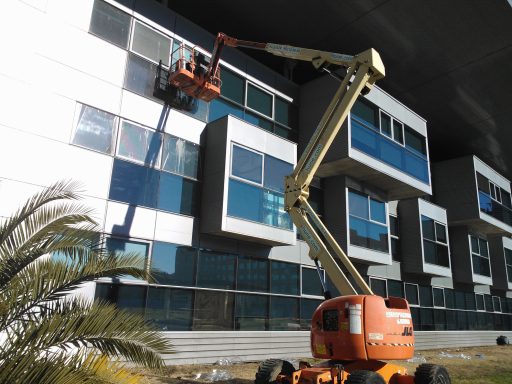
(251, 312)
(140, 144)
(220, 108)
(233, 86)
(259, 100)
(489, 306)
(177, 194)
(427, 226)
(426, 299)
(480, 306)
(123, 246)
(411, 294)
(244, 200)
(438, 294)
(213, 311)
(508, 262)
(393, 226)
(173, 264)
(449, 298)
(284, 314)
(283, 112)
(366, 112)
(170, 309)
(246, 164)
(131, 298)
(94, 129)
(216, 270)
(151, 44)
(261, 122)
(441, 233)
(307, 308)
(470, 301)
(252, 274)
(311, 284)
(474, 244)
(275, 172)
(110, 23)
(385, 124)
(180, 156)
(395, 288)
(140, 76)
(284, 278)
(414, 141)
(134, 184)
(377, 211)
(369, 235)
(484, 251)
(378, 287)
(398, 132)
(358, 204)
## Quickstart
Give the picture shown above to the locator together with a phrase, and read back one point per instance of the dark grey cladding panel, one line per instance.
(410, 235)
(194, 33)
(214, 138)
(498, 266)
(454, 187)
(460, 255)
(154, 11)
(126, 3)
(335, 212)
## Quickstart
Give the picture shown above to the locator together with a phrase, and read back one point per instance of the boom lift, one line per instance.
(354, 331)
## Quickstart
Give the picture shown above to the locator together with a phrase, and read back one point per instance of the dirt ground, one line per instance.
(476, 365)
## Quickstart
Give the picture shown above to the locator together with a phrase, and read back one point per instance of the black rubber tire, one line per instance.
(364, 377)
(431, 374)
(269, 370)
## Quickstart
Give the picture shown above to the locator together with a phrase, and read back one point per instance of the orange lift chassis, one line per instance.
(354, 332)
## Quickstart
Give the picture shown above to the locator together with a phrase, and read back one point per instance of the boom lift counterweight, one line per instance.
(354, 331)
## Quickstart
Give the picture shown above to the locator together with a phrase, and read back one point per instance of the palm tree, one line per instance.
(47, 333)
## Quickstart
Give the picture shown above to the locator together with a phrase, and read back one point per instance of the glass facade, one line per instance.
(94, 129)
(200, 289)
(493, 200)
(381, 136)
(110, 23)
(435, 245)
(256, 188)
(508, 263)
(367, 222)
(480, 256)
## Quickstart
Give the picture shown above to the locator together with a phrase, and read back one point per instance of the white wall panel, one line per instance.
(141, 109)
(50, 115)
(184, 126)
(42, 161)
(123, 219)
(174, 228)
(76, 13)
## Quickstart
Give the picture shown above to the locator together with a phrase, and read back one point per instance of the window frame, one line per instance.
(479, 254)
(132, 35)
(306, 295)
(246, 105)
(115, 129)
(483, 301)
(496, 299)
(435, 241)
(369, 218)
(386, 294)
(157, 163)
(507, 266)
(417, 294)
(262, 155)
(147, 258)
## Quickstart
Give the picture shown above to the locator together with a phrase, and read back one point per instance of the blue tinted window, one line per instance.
(358, 204)
(364, 138)
(377, 211)
(233, 86)
(252, 274)
(220, 108)
(134, 184)
(170, 309)
(284, 112)
(173, 264)
(244, 200)
(275, 171)
(216, 270)
(367, 234)
(251, 202)
(177, 194)
(366, 112)
(246, 164)
(284, 278)
(259, 100)
(259, 121)
(121, 246)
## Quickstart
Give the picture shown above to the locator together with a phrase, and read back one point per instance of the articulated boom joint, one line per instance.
(294, 193)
